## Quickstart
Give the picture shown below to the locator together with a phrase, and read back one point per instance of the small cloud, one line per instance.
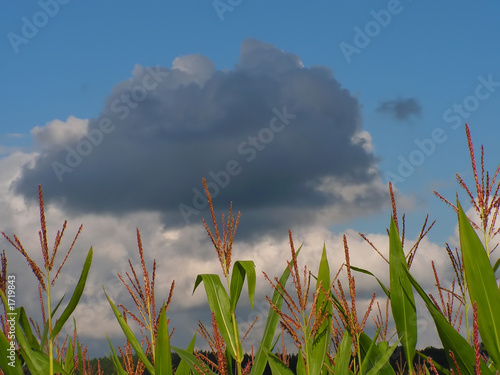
(401, 109)
(16, 135)
(56, 134)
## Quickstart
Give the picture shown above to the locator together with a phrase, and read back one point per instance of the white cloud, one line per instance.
(199, 67)
(56, 134)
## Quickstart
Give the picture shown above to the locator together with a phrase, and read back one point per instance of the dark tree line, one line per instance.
(397, 360)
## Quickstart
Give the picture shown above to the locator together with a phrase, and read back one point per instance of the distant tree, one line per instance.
(438, 355)
(397, 361)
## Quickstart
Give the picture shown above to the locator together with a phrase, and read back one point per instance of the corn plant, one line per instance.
(222, 303)
(158, 339)
(485, 296)
(486, 203)
(40, 352)
(400, 291)
(476, 277)
(310, 329)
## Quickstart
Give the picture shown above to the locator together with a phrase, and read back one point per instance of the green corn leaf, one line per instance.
(80, 357)
(383, 345)
(301, 366)
(36, 361)
(240, 269)
(322, 340)
(70, 349)
(386, 291)
(116, 361)
(367, 354)
(26, 327)
(69, 363)
(27, 352)
(183, 368)
(277, 366)
(275, 343)
(382, 360)
(163, 356)
(75, 298)
(402, 299)
(43, 360)
(343, 355)
(4, 299)
(338, 305)
(220, 305)
(5, 345)
(131, 337)
(450, 338)
(497, 264)
(5, 361)
(319, 348)
(372, 352)
(273, 318)
(482, 286)
(193, 362)
(229, 363)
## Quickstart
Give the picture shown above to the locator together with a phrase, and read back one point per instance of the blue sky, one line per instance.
(415, 71)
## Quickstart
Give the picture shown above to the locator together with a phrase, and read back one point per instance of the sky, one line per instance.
(299, 113)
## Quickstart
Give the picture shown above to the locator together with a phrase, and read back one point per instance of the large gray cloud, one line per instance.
(401, 109)
(284, 136)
